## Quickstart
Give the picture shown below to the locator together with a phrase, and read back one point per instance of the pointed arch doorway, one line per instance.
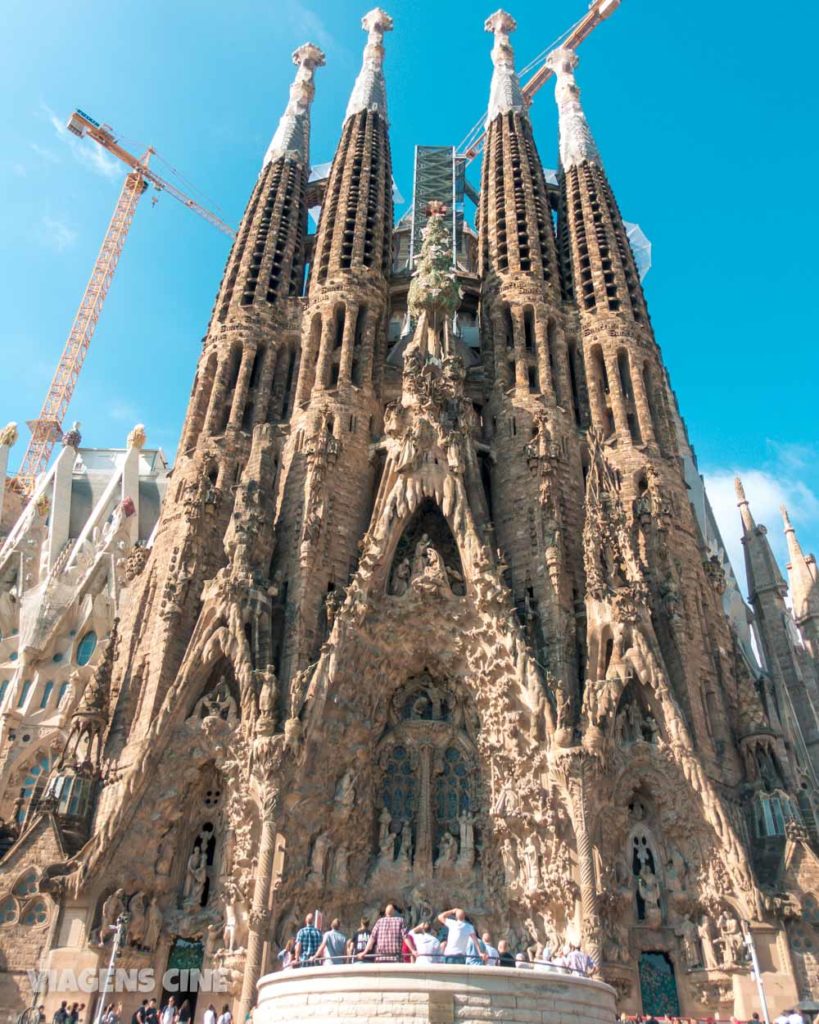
(658, 985)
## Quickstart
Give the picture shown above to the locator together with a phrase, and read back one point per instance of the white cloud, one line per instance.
(85, 151)
(308, 24)
(56, 234)
(767, 488)
(45, 154)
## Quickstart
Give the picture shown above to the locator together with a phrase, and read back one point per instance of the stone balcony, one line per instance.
(431, 993)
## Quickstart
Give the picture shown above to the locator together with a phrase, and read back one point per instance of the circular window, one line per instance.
(13, 656)
(86, 647)
(57, 658)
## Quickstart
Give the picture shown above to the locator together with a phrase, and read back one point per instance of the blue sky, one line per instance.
(701, 112)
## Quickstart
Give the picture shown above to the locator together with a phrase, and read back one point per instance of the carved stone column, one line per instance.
(260, 910)
(423, 830)
(268, 760)
(577, 764)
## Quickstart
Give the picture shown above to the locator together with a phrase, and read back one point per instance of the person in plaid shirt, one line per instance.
(308, 940)
(387, 936)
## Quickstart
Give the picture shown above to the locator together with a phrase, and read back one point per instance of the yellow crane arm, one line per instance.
(81, 124)
(46, 430)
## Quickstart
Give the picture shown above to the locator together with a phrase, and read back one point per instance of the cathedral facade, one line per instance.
(427, 616)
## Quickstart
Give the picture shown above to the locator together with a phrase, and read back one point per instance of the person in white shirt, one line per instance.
(169, 1012)
(492, 955)
(225, 1017)
(458, 932)
(428, 948)
(209, 1015)
(783, 1017)
(795, 1017)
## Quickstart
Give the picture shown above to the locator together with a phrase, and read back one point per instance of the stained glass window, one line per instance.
(86, 647)
(47, 691)
(400, 785)
(33, 784)
(26, 885)
(452, 796)
(36, 913)
(24, 692)
(8, 910)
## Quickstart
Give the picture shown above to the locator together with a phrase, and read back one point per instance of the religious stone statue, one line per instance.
(164, 856)
(384, 822)
(196, 875)
(649, 889)
(111, 909)
(153, 925)
(345, 791)
(318, 858)
(531, 863)
(731, 939)
(401, 578)
(687, 932)
(705, 930)
(510, 861)
(447, 849)
(466, 825)
(136, 926)
(406, 842)
(341, 867)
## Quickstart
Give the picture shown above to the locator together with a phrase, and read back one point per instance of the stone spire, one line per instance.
(760, 564)
(370, 90)
(804, 585)
(576, 142)
(292, 137)
(504, 93)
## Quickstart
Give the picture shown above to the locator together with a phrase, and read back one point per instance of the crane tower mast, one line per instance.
(46, 430)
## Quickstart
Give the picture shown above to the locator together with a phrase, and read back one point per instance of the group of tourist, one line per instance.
(450, 938)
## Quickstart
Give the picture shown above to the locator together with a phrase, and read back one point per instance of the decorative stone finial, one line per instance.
(9, 435)
(576, 142)
(72, 438)
(505, 93)
(740, 491)
(786, 519)
(137, 437)
(292, 136)
(370, 90)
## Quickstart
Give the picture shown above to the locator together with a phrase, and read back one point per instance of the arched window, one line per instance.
(771, 812)
(429, 778)
(86, 647)
(33, 785)
(48, 689)
(452, 792)
(400, 785)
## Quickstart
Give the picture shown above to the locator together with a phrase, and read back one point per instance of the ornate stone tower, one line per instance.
(437, 625)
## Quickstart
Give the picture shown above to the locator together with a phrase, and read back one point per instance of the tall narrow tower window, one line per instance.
(529, 328)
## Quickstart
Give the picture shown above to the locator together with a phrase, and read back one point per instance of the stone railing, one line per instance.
(372, 993)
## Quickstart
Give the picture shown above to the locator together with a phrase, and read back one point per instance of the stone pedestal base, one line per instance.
(435, 993)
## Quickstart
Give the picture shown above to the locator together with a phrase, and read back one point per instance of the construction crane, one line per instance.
(598, 11)
(46, 430)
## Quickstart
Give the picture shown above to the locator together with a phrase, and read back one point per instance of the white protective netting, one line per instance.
(640, 246)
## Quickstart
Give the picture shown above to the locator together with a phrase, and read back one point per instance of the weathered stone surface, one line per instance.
(419, 621)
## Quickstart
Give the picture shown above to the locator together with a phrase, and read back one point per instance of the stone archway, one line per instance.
(427, 531)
